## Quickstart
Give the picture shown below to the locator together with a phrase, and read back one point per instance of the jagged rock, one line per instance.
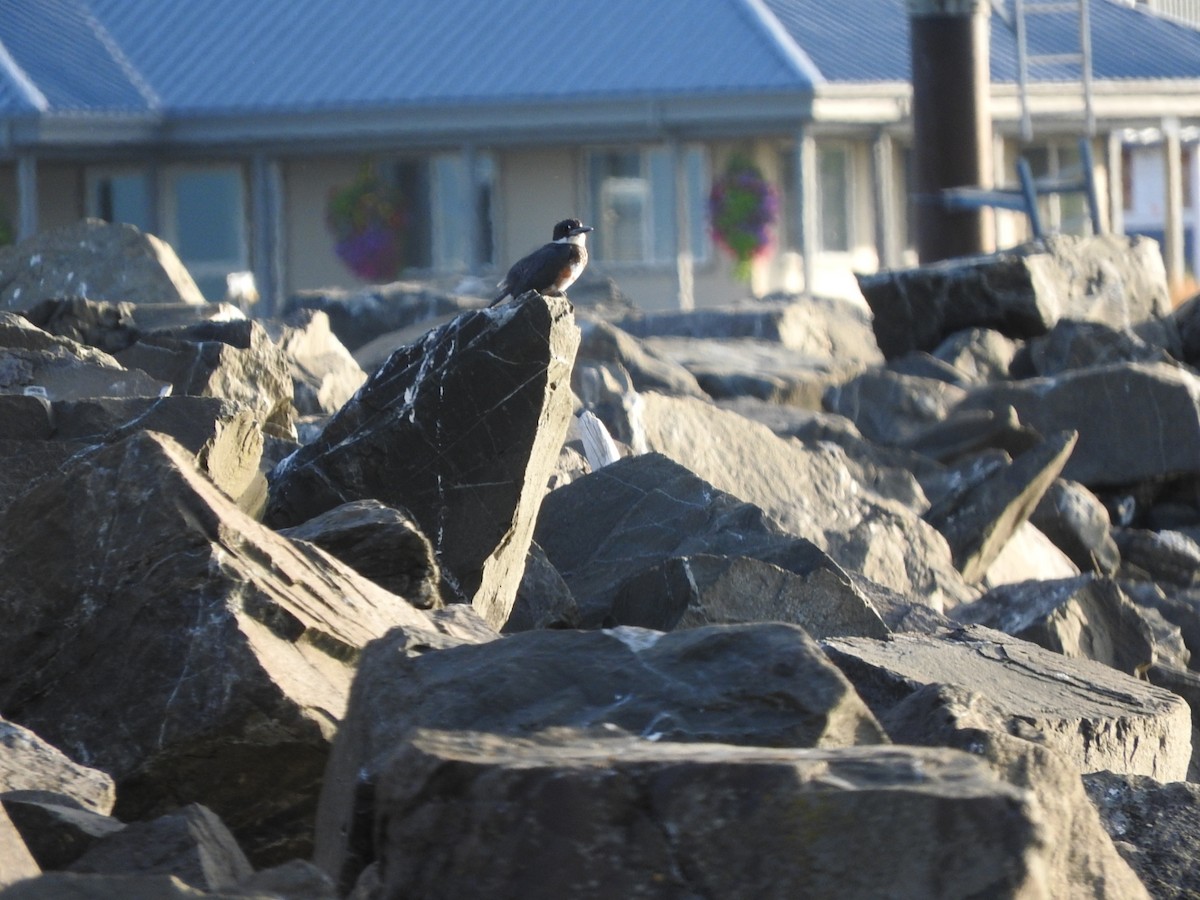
(604, 343)
(56, 834)
(1081, 860)
(1078, 524)
(16, 862)
(1166, 556)
(1082, 618)
(812, 491)
(1028, 555)
(1136, 421)
(761, 685)
(818, 327)
(324, 374)
(962, 434)
(543, 599)
(381, 543)
(73, 886)
(746, 367)
(1079, 345)
(361, 316)
(924, 365)
(980, 518)
(1096, 716)
(891, 408)
(463, 813)
(1186, 319)
(243, 365)
(28, 763)
(606, 391)
(96, 260)
(981, 355)
(463, 430)
(219, 654)
(295, 880)
(645, 542)
(18, 333)
(1179, 606)
(1187, 685)
(104, 326)
(1019, 292)
(1155, 826)
(191, 843)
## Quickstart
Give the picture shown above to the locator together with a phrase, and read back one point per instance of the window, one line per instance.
(445, 205)
(632, 201)
(119, 195)
(833, 197)
(205, 222)
(1065, 212)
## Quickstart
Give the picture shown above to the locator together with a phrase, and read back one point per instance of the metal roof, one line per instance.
(299, 55)
(863, 41)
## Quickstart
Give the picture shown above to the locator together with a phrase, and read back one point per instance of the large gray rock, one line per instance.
(1136, 421)
(1155, 826)
(218, 654)
(1081, 860)
(324, 374)
(1072, 344)
(1096, 716)
(1082, 618)
(812, 491)
(1020, 292)
(645, 542)
(16, 862)
(980, 517)
(28, 763)
(604, 344)
(191, 843)
(1079, 525)
(761, 685)
(892, 408)
(463, 430)
(96, 260)
(56, 831)
(477, 814)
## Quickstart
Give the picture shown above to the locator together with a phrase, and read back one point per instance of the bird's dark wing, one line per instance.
(535, 272)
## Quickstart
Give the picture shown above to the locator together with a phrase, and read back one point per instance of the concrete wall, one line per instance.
(308, 256)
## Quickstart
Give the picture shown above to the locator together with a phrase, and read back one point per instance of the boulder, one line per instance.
(238, 680)
(469, 813)
(380, 543)
(73, 886)
(602, 343)
(811, 490)
(892, 408)
(191, 843)
(756, 685)
(1078, 524)
(1081, 860)
(980, 517)
(28, 763)
(645, 542)
(1097, 717)
(55, 831)
(543, 599)
(1136, 421)
(1082, 618)
(1155, 826)
(1019, 292)
(1072, 344)
(980, 355)
(324, 374)
(96, 260)
(1169, 557)
(463, 430)
(1028, 556)
(16, 862)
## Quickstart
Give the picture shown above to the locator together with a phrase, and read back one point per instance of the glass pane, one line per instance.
(697, 180)
(123, 198)
(450, 216)
(208, 216)
(620, 200)
(832, 164)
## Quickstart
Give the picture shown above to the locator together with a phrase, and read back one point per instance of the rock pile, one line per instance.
(779, 600)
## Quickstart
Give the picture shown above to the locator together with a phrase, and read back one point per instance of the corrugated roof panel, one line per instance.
(867, 40)
(64, 52)
(312, 54)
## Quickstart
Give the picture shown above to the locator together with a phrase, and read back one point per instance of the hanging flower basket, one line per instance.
(368, 218)
(743, 207)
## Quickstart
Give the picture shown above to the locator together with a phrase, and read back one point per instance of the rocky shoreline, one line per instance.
(396, 596)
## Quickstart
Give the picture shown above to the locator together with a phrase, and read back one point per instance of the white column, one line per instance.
(1116, 183)
(1173, 207)
(684, 263)
(806, 204)
(884, 190)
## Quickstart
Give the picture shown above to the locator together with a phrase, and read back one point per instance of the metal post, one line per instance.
(883, 188)
(1116, 183)
(684, 267)
(952, 123)
(27, 197)
(266, 209)
(806, 206)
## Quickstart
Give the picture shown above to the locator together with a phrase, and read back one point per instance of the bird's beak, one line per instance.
(582, 229)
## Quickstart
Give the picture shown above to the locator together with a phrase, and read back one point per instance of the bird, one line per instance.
(553, 267)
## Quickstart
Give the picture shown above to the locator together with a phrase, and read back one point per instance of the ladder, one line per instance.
(1051, 13)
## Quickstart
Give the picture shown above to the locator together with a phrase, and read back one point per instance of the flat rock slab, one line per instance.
(462, 430)
(27, 763)
(1136, 421)
(476, 814)
(1097, 717)
(764, 685)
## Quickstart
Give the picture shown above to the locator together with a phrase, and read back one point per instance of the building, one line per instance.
(224, 126)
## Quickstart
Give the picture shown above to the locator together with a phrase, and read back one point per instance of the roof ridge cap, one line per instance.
(25, 85)
(793, 54)
(104, 36)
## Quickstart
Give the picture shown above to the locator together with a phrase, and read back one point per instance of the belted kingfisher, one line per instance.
(553, 267)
